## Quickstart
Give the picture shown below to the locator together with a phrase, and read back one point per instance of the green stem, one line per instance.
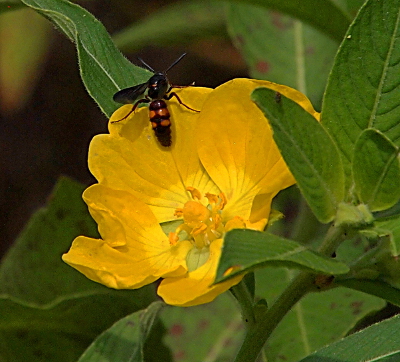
(243, 296)
(302, 284)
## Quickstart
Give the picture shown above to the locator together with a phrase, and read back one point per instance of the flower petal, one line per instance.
(137, 254)
(131, 159)
(236, 146)
(195, 287)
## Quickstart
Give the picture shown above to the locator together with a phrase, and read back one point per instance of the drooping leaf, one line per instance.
(379, 342)
(281, 49)
(125, 340)
(245, 250)
(376, 170)
(364, 87)
(179, 23)
(104, 70)
(308, 150)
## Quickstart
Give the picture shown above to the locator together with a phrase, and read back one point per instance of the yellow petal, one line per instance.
(137, 254)
(131, 159)
(236, 146)
(195, 287)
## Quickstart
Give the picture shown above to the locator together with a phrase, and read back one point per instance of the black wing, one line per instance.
(129, 95)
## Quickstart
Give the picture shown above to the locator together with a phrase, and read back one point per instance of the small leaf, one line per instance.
(391, 227)
(295, 54)
(376, 170)
(364, 86)
(308, 150)
(125, 340)
(179, 23)
(245, 250)
(104, 70)
(379, 342)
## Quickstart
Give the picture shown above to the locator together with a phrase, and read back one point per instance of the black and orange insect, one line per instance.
(155, 91)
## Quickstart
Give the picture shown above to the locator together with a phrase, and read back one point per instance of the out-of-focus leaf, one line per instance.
(218, 325)
(328, 18)
(179, 23)
(24, 40)
(317, 320)
(46, 305)
(104, 70)
(283, 50)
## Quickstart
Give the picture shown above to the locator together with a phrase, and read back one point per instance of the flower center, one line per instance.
(202, 224)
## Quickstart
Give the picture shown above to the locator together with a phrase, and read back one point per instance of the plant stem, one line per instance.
(243, 296)
(302, 284)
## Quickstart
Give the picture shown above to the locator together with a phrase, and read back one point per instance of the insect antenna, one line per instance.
(174, 63)
(146, 65)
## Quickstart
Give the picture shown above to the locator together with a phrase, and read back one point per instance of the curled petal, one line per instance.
(196, 287)
(143, 255)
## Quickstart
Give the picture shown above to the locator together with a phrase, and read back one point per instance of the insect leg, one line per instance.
(173, 94)
(144, 100)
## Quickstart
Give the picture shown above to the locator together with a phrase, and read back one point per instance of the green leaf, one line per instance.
(317, 320)
(208, 332)
(376, 170)
(329, 18)
(10, 5)
(246, 250)
(391, 227)
(379, 342)
(125, 340)
(104, 70)
(179, 23)
(378, 288)
(363, 90)
(59, 331)
(295, 54)
(308, 150)
(45, 305)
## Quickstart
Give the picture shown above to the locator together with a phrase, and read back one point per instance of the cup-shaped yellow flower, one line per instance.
(162, 212)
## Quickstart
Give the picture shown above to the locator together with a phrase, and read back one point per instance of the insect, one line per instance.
(155, 91)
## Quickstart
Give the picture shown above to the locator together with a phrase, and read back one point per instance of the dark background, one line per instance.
(49, 135)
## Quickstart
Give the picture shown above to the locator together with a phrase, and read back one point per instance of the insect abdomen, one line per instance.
(160, 121)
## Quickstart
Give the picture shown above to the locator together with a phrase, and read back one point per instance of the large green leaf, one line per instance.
(308, 150)
(329, 18)
(295, 54)
(379, 342)
(104, 70)
(246, 250)
(47, 306)
(125, 340)
(179, 23)
(364, 86)
(208, 332)
(376, 170)
(315, 321)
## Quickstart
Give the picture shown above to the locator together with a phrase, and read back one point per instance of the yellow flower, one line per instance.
(163, 211)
